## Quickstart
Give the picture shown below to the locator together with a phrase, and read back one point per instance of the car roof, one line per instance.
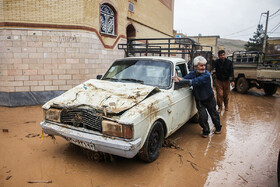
(174, 60)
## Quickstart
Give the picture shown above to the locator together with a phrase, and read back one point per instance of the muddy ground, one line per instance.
(245, 154)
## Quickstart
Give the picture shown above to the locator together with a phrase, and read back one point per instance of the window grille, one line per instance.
(107, 18)
(131, 7)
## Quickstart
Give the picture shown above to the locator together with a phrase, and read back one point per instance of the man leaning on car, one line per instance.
(200, 79)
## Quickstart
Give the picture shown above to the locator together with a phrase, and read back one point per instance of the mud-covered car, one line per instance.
(129, 111)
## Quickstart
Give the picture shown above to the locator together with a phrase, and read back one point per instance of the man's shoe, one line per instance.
(218, 130)
(226, 108)
(205, 134)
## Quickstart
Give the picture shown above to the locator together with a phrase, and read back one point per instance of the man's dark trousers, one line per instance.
(210, 106)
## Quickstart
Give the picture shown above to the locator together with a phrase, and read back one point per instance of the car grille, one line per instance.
(88, 119)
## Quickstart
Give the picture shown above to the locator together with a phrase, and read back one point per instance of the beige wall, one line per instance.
(44, 60)
(273, 46)
(55, 45)
(207, 40)
(154, 14)
(273, 41)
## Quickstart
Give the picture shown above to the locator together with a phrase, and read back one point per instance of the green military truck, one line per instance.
(256, 69)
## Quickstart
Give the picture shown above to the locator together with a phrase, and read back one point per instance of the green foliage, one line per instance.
(256, 43)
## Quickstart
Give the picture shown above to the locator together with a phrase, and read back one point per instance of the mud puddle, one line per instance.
(245, 154)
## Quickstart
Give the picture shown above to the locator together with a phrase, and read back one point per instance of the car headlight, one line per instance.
(53, 114)
(116, 129)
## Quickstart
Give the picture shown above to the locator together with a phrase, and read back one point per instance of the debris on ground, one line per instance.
(191, 154)
(5, 130)
(39, 181)
(52, 137)
(98, 156)
(181, 160)
(193, 165)
(7, 178)
(243, 178)
(29, 122)
(171, 144)
(32, 135)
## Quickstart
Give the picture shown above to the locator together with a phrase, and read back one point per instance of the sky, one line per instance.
(231, 19)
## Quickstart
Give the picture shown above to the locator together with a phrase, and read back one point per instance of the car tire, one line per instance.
(150, 150)
(242, 85)
(270, 89)
(278, 169)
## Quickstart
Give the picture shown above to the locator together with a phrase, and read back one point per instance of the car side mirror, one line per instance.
(98, 77)
(178, 86)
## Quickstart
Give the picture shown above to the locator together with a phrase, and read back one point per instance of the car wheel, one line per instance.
(270, 89)
(278, 169)
(150, 150)
(242, 85)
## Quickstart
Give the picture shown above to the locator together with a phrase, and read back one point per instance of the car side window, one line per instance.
(179, 73)
(181, 70)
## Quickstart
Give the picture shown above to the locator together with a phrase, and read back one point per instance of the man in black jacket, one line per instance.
(224, 77)
(200, 80)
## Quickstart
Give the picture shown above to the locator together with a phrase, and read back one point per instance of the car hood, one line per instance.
(110, 97)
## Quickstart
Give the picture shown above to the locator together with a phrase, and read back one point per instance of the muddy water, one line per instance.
(245, 154)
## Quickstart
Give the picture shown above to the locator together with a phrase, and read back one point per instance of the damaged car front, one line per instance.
(129, 111)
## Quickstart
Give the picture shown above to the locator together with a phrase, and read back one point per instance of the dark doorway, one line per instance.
(130, 31)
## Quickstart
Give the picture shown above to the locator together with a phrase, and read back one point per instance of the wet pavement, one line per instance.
(245, 154)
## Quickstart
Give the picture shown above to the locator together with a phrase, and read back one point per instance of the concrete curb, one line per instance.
(14, 99)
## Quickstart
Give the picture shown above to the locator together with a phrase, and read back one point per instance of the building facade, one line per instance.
(47, 47)
(273, 45)
(208, 41)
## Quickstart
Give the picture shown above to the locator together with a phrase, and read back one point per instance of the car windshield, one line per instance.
(148, 72)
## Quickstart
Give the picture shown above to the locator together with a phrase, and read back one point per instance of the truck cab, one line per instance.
(256, 69)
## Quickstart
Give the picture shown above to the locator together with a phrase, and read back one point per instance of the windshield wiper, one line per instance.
(133, 80)
(109, 78)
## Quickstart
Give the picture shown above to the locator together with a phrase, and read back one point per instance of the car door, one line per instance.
(183, 101)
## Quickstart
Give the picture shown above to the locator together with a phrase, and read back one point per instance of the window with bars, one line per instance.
(107, 19)
(131, 7)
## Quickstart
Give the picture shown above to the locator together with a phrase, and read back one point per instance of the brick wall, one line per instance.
(156, 14)
(45, 60)
(55, 45)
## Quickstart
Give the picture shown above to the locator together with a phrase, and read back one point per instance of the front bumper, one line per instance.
(95, 142)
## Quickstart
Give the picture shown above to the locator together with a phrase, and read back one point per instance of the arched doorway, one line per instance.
(130, 31)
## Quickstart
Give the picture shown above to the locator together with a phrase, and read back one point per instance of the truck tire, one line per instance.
(242, 85)
(150, 150)
(270, 89)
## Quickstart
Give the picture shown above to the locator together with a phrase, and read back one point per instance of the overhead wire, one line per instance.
(275, 28)
(246, 28)
(241, 31)
(274, 17)
(272, 30)
(242, 35)
(274, 13)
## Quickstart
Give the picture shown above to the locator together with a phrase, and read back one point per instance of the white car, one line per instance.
(129, 111)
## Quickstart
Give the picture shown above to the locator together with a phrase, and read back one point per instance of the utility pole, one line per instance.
(265, 31)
